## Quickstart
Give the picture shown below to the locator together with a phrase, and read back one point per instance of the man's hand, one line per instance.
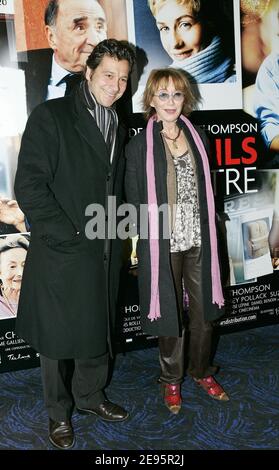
(11, 214)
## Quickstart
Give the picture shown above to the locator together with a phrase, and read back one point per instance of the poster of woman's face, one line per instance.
(13, 250)
(200, 37)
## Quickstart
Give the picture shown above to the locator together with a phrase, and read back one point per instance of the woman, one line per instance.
(168, 163)
(13, 250)
(190, 35)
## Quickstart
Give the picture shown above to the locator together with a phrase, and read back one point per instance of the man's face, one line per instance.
(80, 26)
(108, 81)
(181, 34)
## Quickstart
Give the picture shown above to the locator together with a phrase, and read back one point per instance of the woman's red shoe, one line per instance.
(172, 397)
(212, 388)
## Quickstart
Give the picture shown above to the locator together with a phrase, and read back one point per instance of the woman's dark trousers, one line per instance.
(186, 267)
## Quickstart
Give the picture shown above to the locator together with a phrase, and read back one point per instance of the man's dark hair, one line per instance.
(120, 50)
(51, 12)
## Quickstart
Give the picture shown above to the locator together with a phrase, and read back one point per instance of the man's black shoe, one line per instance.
(61, 434)
(107, 411)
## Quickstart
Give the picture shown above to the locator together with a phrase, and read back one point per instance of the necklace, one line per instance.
(173, 140)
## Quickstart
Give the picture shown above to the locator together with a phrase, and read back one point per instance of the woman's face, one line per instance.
(181, 34)
(167, 111)
(12, 264)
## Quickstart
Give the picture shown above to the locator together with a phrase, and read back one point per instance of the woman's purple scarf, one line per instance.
(217, 294)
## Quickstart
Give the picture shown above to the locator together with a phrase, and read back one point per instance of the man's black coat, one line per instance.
(69, 282)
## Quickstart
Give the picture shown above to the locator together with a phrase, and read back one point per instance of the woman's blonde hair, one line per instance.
(159, 78)
(155, 5)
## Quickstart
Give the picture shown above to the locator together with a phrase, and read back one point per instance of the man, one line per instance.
(73, 29)
(69, 159)
(11, 217)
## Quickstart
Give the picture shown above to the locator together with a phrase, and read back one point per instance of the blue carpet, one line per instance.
(249, 362)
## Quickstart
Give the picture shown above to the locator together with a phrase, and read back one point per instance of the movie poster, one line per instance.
(164, 39)
(246, 198)
(234, 72)
(260, 52)
(14, 239)
(245, 174)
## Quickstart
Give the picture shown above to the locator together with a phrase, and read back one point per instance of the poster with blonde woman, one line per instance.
(200, 37)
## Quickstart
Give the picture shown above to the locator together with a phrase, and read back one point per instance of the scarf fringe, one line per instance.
(154, 308)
